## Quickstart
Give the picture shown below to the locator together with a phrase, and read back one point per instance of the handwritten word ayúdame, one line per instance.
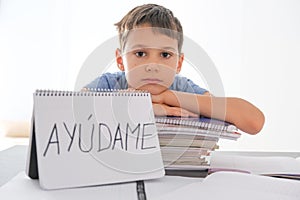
(123, 136)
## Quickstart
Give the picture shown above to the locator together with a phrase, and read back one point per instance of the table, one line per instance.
(12, 161)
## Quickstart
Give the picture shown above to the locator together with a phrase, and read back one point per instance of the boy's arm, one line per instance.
(163, 110)
(240, 112)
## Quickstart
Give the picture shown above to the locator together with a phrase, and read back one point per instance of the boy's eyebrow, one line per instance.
(139, 46)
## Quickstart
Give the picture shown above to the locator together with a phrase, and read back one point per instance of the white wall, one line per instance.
(254, 44)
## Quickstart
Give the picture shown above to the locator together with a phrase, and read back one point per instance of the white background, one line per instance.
(254, 44)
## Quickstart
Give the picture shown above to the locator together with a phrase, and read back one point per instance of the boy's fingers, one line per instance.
(156, 99)
(175, 111)
(163, 110)
(159, 110)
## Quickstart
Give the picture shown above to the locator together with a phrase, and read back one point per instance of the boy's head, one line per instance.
(155, 16)
(151, 40)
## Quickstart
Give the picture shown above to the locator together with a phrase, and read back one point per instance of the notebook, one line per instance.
(201, 126)
(93, 138)
(187, 134)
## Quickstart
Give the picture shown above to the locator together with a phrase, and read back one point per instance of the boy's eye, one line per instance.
(165, 54)
(140, 54)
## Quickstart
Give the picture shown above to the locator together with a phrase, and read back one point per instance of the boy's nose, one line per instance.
(152, 68)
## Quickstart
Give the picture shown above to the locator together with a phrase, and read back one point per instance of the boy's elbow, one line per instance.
(256, 124)
(251, 119)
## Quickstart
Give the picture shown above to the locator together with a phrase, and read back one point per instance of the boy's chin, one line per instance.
(154, 89)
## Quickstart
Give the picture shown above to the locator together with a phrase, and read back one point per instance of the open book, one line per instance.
(276, 166)
(236, 186)
(217, 186)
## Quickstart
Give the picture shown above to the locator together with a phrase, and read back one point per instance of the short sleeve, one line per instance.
(109, 81)
(184, 84)
(99, 82)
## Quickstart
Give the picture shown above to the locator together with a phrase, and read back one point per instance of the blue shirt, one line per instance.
(118, 80)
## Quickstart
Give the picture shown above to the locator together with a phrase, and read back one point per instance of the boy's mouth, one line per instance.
(151, 80)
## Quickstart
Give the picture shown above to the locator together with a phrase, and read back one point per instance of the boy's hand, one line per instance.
(164, 110)
(158, 98)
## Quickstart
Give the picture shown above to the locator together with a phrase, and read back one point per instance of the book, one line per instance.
(275, 166)
(182, 151)
(93, 138)
(188, 143)
(172, 136)
(198, 132)
(236, 186)
(192, 160)
(201, 122)
(220, 185)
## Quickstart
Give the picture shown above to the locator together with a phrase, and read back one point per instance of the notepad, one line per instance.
(93, 138)
(201, 126)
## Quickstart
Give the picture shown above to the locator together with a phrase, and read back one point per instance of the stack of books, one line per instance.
(186, 143)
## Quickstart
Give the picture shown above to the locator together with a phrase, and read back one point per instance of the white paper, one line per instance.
(237, 186)
(21, 187)
(156, 188)
(257, 164)
(24, 188)
(220, 185)
(97, 139)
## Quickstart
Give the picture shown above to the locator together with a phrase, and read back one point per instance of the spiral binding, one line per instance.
(221, 127)
(92, 92)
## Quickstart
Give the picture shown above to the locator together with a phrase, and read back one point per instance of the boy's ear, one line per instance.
(179, 64)
(119, 60)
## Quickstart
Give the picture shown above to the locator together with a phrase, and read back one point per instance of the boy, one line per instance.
(150, 58)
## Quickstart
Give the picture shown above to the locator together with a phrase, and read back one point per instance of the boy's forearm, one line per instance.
(243, 114)
(201, 104)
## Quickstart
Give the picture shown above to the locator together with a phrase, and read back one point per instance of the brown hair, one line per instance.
(159, 17)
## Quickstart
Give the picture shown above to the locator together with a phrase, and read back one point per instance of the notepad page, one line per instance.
(95, 138)
(21, 187)
(156, 188)
(257, 165)
(237, 186)
(254, 183)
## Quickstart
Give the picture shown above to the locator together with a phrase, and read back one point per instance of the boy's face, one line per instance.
(150, 60)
